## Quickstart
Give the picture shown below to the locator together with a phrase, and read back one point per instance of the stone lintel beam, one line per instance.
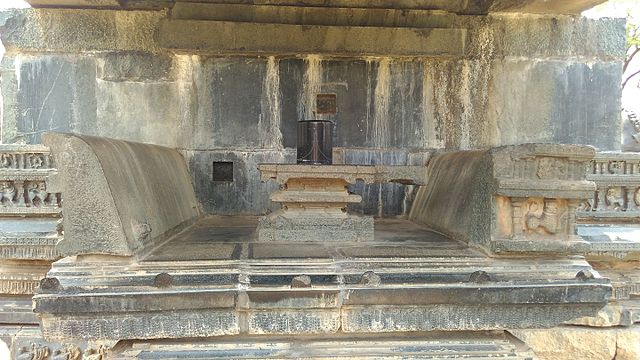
(281, 173)
(223, 37)
(520, 198)
(120, 197)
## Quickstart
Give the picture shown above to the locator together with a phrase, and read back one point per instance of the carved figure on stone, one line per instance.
(96, 354)
(551, 168)
(545, 217)
(630, 131)
(7, 193)
(637, 197)
(37, 352)
(68, 352)
(52, 200)
(6, 161)
(616, 167)
(615, 198)
(36, 193)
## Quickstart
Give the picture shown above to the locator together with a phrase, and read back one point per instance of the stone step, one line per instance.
(469, 346)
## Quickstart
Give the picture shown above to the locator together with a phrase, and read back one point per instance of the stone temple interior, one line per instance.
(477, 204)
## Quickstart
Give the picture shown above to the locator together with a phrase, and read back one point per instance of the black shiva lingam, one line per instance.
(315, 142)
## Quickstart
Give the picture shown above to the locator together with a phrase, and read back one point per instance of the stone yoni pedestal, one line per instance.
(314, 200)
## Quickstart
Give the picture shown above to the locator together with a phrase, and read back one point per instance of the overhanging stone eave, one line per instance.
(528, 6)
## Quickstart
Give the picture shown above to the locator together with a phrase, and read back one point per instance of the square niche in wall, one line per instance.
(326, 104)
(222, 171)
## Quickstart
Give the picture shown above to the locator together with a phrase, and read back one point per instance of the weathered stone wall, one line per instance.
(507, 79)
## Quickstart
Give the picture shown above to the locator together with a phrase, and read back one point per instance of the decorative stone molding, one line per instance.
(29, 214)
(42, 350)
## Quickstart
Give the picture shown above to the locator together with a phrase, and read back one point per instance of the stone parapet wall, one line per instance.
(511, 199)
(617, 199)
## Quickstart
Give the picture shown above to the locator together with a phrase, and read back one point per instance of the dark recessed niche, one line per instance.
(222, 171)
(327, 104)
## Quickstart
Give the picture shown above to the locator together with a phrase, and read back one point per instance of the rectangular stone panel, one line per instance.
(294, 322)
(451, 317)
(142, 325)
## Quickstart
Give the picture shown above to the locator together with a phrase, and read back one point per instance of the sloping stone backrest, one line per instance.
(449, 203)
(123, 196)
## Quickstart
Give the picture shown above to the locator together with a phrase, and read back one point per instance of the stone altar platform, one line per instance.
(314, 200)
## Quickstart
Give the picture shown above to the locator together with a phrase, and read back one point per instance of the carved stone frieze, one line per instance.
(531, 218)
(27, 194)
(25, 157)
(617, 198)
(63, 351)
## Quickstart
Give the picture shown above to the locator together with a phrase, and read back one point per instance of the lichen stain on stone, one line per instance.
(269, 121)
(311, 86)
(380, 131)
